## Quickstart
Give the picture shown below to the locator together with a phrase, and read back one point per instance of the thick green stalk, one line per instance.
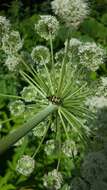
(12, 138)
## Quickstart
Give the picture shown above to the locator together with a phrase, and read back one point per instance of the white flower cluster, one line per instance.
(47, 25)
(40, 130)
(53, 180)
(4, 25)
(11, 42)
(102, 88)
(104, 81)
(17, 107)
(40, 55)
(74, 42)
(49, 147)
(95, 103)
(91, 55)
(72, 12)
(69, 148)
(94, 167)
(12, 62)
(29, 93)
(25, 165)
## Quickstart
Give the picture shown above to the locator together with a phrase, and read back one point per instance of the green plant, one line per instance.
(57, 93)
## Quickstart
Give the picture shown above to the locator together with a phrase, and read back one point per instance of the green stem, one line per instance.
(52, 60)
(12, 138)
(51, 46)
(38, 148)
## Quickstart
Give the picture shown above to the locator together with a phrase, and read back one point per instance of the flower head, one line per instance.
(69, 148)
(91, 55)
(104, 81)
(25, 165)
(95, 103)
(53, 180)
(72, 12)
(29, 94)
(50, 147)
(40, 130)
(12, 43)
(74, 42)
(47, 25)
(12, 62)
(102, 87)
(4, 25)
(17, 107)
(40, 54)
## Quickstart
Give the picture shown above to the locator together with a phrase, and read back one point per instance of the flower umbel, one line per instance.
(53, 180)
(4, 25)
(72, 12)
(40, 55)
(17, 107)
(29, 94)
(91, 55)
(11, 42)
(12, 62)
(46, 26)
(25, 165)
